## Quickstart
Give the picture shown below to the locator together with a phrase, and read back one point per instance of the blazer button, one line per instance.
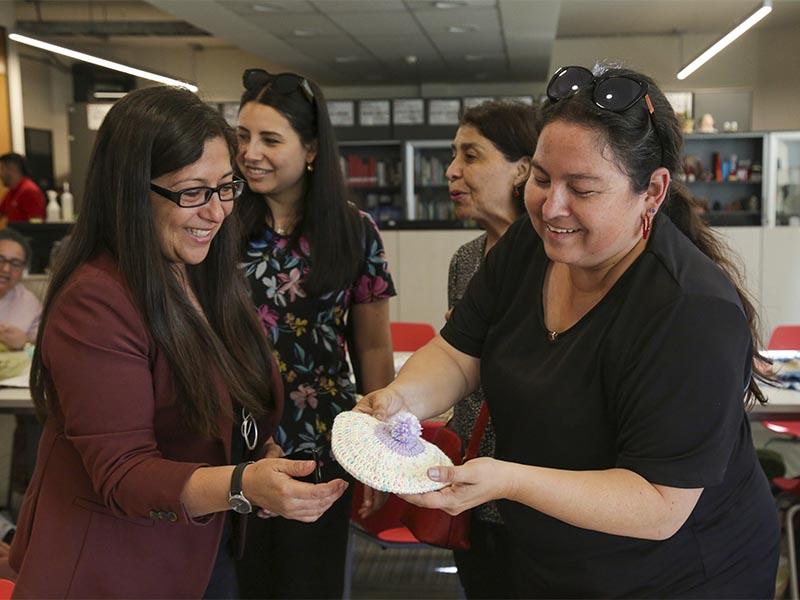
(172, 517)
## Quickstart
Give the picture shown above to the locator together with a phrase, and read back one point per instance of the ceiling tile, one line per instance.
(398, 46)
(486, 20)
(246, 7)
(358, 6)
(374, 23)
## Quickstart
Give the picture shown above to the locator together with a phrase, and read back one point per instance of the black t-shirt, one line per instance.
(652, 380)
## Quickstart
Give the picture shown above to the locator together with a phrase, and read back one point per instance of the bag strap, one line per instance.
(477, 432)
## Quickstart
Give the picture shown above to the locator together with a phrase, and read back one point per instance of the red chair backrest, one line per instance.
(409, 337)
(388, 517)
(785, 337)
(6, 589)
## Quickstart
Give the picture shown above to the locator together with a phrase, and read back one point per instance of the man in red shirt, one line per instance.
(24, 199)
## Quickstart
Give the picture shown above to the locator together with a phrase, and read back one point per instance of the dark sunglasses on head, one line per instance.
(282, 83)
(616, 93)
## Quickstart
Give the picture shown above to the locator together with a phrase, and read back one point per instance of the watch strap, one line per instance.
(236, 478)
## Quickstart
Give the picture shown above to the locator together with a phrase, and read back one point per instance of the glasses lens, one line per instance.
(567, 81)
(194, 196)
(254, 79)
(618, 93)
(286, 83)
(229, 191)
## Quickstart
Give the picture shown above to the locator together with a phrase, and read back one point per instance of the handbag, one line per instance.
(432, 525)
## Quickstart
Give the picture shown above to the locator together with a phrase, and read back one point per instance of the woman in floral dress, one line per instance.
(318, 275)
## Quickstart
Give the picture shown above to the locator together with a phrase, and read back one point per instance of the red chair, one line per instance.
(6, 589)
(383, 527)
(787, 337)
(409, 337)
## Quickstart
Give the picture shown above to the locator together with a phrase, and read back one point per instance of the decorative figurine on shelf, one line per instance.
(687, 123)
(707, 124)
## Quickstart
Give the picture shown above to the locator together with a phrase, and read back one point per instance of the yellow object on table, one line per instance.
(13, 364)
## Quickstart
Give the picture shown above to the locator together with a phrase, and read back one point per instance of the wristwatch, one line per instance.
(236, 497)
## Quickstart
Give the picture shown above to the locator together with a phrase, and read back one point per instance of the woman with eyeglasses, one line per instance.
(491, 163)
(152, 376)
(316, 267)
(616, 351)
(19, 307)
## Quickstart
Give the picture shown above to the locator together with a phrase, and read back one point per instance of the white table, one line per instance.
(782, 405)
(16, 400)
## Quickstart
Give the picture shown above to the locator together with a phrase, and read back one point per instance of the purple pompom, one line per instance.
(401, 434)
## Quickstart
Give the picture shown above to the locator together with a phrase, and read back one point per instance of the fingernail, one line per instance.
(433, 473)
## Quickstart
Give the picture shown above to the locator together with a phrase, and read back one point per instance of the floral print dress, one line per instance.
(308, 332)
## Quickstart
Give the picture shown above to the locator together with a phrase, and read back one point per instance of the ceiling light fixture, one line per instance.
(725, 40)
(478, 57)
(268, 7)
(100, 62)
(306, 32)
(109, 95)
(450, 4)
(463, 28)
(346, 59)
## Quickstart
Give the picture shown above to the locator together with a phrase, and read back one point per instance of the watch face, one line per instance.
(240, 504)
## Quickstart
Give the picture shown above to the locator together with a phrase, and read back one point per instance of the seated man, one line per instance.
(24, 200)
(19, 308)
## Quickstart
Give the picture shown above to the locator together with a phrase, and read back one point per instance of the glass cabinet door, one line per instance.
(785, 182)
(427, 197)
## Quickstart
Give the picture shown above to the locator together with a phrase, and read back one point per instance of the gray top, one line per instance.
(464, 264)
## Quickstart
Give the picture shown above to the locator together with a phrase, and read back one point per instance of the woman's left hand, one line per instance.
(13, 337)
(471, 484)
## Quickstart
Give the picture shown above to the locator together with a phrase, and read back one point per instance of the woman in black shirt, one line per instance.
(621, 330)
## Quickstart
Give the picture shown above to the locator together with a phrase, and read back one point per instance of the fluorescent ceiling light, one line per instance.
(100, 62)
(463, 28)
(450, 4)
(716, 47)
(268, 7)
(109, 95)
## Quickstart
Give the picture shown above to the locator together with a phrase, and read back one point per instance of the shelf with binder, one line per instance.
(373, 172)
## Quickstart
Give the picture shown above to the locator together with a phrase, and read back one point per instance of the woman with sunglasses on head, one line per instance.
(152, 375)
(314, 262)
(491, 163)
(616, 352)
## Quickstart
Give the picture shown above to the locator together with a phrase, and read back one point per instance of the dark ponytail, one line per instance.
(641, 145)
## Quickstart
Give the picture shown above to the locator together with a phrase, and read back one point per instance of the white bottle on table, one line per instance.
(67, 204)
(53, 209)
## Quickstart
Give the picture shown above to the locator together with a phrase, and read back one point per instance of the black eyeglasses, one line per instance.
(282, 83)
(198, 196)
(616, 93)
(14, 263)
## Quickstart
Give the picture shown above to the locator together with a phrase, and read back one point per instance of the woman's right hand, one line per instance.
(269, 483)
(381, 404)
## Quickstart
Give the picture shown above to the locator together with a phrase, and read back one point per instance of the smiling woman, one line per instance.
(616, 354)
(153, 376)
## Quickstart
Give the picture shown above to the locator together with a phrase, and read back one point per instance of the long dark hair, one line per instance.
(148, 133)
(329, 222)
(641, 145)
(511, 127)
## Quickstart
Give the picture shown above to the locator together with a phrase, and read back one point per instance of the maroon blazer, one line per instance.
(102, 516)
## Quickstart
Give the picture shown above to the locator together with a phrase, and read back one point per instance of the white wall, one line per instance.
(46, 93)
